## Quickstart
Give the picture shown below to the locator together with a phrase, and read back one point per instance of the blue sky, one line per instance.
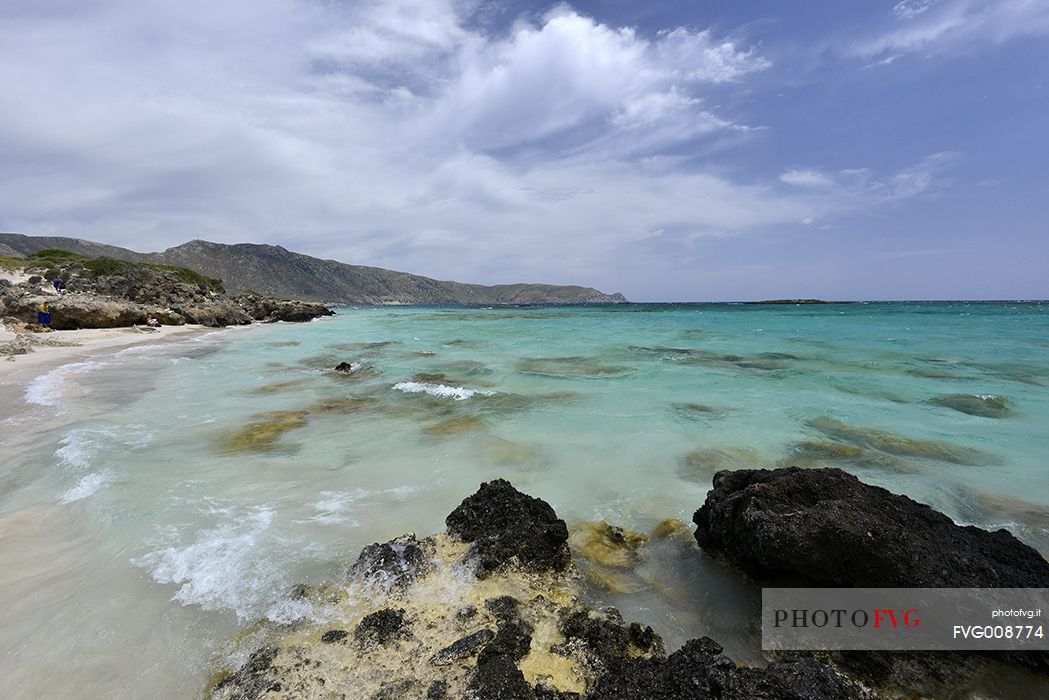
(667, 150)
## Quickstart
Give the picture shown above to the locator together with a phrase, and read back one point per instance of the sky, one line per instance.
(668, 150)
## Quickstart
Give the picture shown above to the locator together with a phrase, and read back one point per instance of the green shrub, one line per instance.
(54, 257)
(184, 274)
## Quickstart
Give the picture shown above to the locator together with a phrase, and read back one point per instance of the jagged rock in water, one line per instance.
(506, 526)
(824, 527)
(393, 564)
(433, 629)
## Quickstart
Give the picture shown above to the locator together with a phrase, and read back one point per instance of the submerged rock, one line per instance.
(829, 453)
(505, 526)
(574, 367)
(264, 433)
(608, 555)
(455, 426)
(824, 527)
(340, 405)
(701, 464)
(899, 445)
(608, 545)
(696, 411)
(984, 405)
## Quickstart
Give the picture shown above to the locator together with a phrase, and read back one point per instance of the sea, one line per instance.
(157, 501)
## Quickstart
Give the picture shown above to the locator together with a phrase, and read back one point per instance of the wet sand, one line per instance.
(51, 350)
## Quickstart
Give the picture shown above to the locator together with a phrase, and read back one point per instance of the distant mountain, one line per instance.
(275, 271)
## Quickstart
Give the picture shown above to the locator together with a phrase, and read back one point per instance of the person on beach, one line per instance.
(59, 285)
(152, 323)
(43, 316)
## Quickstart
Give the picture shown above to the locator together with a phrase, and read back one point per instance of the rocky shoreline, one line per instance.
(493, 608)
(106, 293)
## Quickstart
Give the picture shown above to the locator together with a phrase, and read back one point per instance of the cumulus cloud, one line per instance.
(401, 133)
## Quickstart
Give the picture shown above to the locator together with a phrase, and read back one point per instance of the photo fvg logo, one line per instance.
(876, 618)
(904, 618)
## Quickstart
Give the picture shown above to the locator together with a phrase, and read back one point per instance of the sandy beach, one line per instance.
(51, 350)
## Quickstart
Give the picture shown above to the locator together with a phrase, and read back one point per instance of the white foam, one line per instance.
(223, 568)
(80, 448)
(87, 486)
(440, 390)
(335, 507)
(49, 389)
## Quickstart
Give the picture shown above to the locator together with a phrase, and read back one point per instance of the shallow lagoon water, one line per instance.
(156, 502)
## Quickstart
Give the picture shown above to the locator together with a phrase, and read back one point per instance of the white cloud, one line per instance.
(807, 178)
(909, 9)
(860, 186)
(387, 133)
(957, 25)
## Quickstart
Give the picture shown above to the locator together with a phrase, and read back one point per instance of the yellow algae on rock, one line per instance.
(340, 405)
(671, 527)
(276, 387)
(455, 426)
(606, 544)
(264, 433)
(701, 464)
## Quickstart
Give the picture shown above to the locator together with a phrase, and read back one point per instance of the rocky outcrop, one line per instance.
(271, 310)
(824, 527)
(87, 310)
(491, 610)
(108, 293)
(508, 528)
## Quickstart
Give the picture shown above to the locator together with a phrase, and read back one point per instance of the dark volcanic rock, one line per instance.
(393, 564)
(332, 636)
(497, 676)
(253, 679)
(504, 607)
(381, 627)
(698, 671)
(824, 527)
(463, 648)
(608, 640)
(507, 526)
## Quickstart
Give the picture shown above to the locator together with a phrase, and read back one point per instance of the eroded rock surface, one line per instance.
(506, 527)
(824, 527)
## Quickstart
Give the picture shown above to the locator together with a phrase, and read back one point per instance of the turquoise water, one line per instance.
(155, 501)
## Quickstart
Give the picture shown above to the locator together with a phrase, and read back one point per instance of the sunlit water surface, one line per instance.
(155, 501)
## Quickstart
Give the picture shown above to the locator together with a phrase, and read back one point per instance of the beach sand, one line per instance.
(57, 348)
